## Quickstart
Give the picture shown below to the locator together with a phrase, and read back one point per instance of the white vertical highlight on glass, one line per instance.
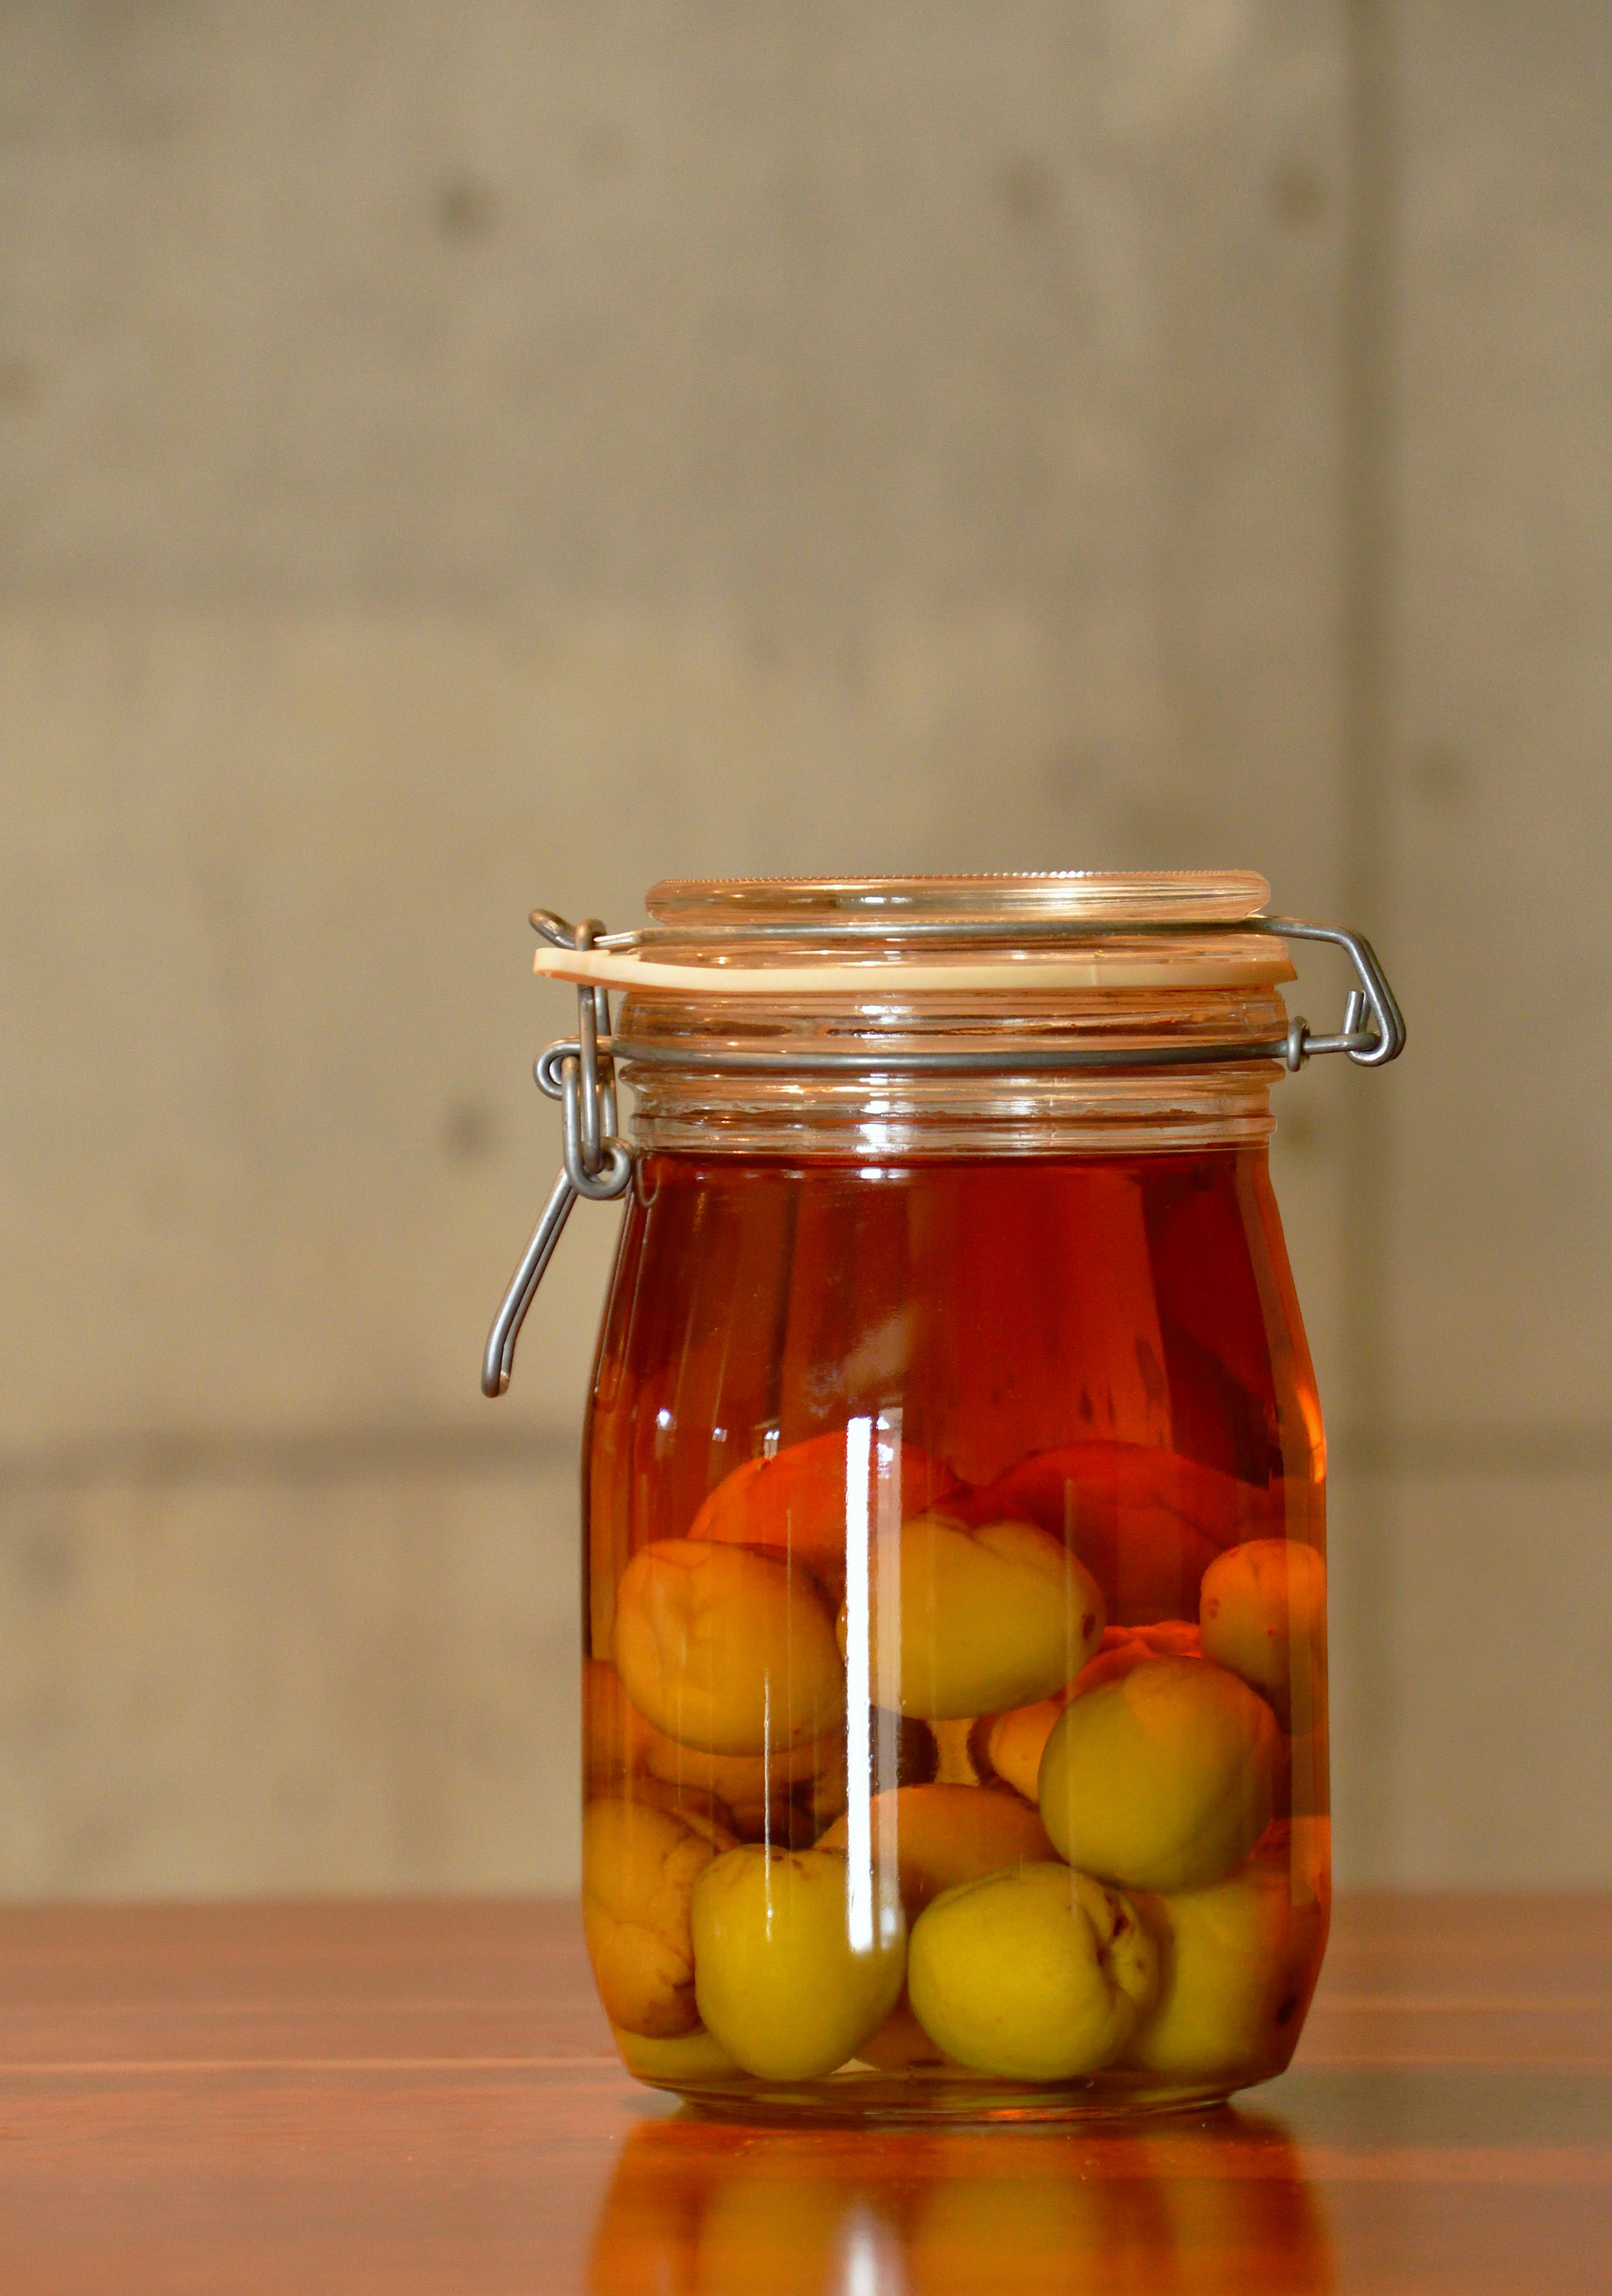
(886, 1690)
(858, 1749)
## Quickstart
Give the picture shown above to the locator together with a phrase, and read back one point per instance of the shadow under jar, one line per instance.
(954, 1590)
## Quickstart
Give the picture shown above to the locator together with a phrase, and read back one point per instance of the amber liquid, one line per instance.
(999, 1310)
(1110, 1348)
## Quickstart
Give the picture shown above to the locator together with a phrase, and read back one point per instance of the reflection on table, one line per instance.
(1193, 2207)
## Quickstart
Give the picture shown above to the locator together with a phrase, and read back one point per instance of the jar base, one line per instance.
(855, 2098)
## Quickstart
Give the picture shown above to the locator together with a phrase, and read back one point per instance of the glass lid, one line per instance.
(1053, 932)
(1070, 897)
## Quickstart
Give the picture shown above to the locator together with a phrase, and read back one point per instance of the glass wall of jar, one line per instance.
(954, 1644)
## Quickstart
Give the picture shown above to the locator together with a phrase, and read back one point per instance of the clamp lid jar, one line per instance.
(954, 1614)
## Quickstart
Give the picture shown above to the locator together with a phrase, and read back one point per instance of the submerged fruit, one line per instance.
(1125, 1648)
(1015, 1743)
(988, 1616)
(687, 2056)
(640, 1864)
(1145, 1522)
(899, 2042)
(735, 1778)
(1035, 1975)
(616, 1739)
(726, 1650)
(1161, 1781)
(945, 1835)
(780, 1979)
(1237, 1963)
(766, 1796)
(801, 1498)
(1263, 1609)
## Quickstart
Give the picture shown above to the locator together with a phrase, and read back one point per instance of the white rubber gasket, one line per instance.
(1033, 970)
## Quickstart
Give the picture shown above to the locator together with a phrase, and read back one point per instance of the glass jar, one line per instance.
(954, 1653)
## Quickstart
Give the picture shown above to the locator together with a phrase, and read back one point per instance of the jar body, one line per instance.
(954, 1642)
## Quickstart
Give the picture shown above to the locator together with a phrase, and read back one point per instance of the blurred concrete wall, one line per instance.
(455, 456)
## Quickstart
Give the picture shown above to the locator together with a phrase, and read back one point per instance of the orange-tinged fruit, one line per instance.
(800, 1500)
(1015, 1741)
(1145, 1522)
(945, 1835)
(899, 2043)
(1125, 1648)
(640, 1864)
(1263, 1609)
(739, 1777)
(728, 1650)
(616, 1739)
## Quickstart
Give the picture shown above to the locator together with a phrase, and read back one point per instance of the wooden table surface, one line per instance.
(415, 2097)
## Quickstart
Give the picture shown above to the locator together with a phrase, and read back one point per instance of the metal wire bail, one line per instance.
(596, 1162)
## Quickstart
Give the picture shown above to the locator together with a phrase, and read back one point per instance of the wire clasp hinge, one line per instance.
(597, 1163)
(1374, 1031)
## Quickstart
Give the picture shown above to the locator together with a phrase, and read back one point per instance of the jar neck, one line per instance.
(869, 1110)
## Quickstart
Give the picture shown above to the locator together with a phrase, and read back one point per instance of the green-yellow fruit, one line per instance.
(639, 1866)
(1162, 1781)
(945, 1835)
(1237, 1963)
(687, 2057)
(1036, 1974)
(990, 1617)
(726, 1650)
(778, 1978)
(1015, 1743)
(1264, 1610)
